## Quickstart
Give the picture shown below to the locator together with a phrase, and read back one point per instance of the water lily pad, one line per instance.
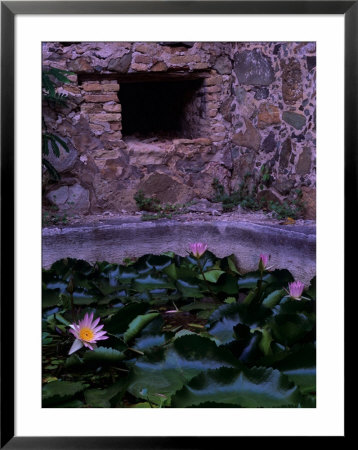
(60, 391)
(249, 388)
(165, 371)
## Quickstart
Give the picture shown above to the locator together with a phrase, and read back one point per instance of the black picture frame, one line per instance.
(9, 10)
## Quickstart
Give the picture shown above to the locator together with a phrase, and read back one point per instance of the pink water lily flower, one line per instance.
(295, 289)
(87, 332)
(264, 257)
(198, 249)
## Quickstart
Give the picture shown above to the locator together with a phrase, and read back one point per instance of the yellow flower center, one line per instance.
(86, 334)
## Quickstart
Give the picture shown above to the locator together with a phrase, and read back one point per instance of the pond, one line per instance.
(177, 331)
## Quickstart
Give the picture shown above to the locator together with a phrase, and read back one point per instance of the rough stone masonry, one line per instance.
(170, 117)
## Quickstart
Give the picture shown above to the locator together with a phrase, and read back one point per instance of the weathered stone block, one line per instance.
(78, 198)
(311, 62)
(269, 143)
(251, 138)
(223, 65)
(88, 108)
(268, 115)
(212, 113)
(116, 126)
(219, 128)
(253, 67)
(304, 162)
(122, 64)
(292, 88)
(202, 141)
(218, 137)
(58, 196)
(73, 90)
(92, 87)
(166, 189)
(211, 81)
(101, 98)
(285, 153)
(139, 67)
(261, 93)
(309, 202)
(227, 108)
(297, 121)
(159, 67)
(212, 89)
(146, 48)
(105, 117)
(97, 129)
(142, 59)
(73, 78)
(110, 87)
(184, 59)
(104, 154)
(213, 97)
(112, 107)
(79, 65)
(67, 198)
(115, 136)
(200, 66)
(212, 105)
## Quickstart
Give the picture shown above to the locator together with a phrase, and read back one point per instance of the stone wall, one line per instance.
(169, 118)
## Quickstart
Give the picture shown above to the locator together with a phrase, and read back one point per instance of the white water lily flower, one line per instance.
(87, 332)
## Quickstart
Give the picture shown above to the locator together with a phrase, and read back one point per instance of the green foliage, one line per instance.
(137, 324)
(293, 208)
(152, 204)
(103, 355)
(175, 339)
(257, 387)
(50, 77)
(246, 197)
(106, 398)
(52, 216)
(60, 391)
(146, 203)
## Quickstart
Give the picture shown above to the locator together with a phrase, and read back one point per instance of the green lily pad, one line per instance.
(105, 398)
(211, 275)
(150, 281)
(137, 324)
(165, 371)
(189, 289)
(103, 355)
(250, 388)
(120, 321)
(60, 391)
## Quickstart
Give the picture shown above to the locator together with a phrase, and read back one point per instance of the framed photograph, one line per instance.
(162, 252)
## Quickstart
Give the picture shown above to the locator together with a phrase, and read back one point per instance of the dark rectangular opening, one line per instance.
(163, 109)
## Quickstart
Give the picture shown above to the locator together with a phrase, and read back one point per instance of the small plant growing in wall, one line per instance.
(144, 203)
(265, 176)
(50, 141)
(244, 195)
(247, 197)
(152, 205)
(292, 209)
